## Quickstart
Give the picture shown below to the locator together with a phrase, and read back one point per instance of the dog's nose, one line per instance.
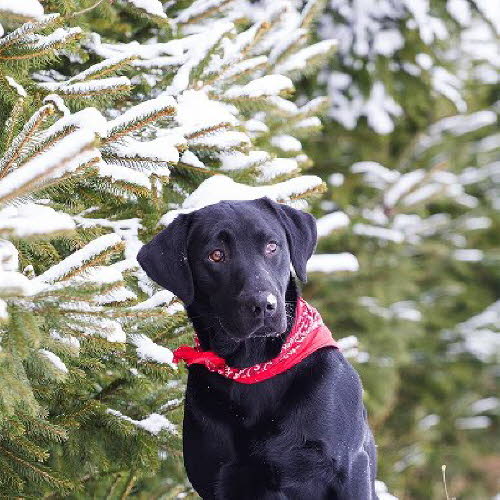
(263, 304)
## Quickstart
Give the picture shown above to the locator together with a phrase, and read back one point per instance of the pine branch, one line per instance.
(139, 116)
(26, 178)
(24, 137)
(27, 28)
(11, 123)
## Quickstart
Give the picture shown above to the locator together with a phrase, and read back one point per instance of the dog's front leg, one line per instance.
(248, 481)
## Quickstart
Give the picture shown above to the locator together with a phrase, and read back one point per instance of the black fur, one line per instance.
(300, 435)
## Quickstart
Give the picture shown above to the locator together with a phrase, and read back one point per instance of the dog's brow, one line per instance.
(224, 235)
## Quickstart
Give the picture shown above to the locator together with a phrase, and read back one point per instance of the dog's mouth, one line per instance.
(266, 332)
(273, 330)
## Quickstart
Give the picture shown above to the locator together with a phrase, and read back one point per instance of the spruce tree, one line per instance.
(413, 205)
(113, 117)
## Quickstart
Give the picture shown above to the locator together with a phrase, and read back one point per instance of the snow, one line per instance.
(163, 104)
(4, 314)
(306, 123)
(30, 219)
(54, 359)
(68, 340)
(277, 167)
(375, 174)
(468, 255)
(97, 86)
(119, 173)
(88, 119)
(387, 42)
(473, 423)
(49, 164)
(9, 256)
(490, 11)
(220, 187)
(460, 11)
(163, 297)
(332, 263)
(238, 161)
(112, 331)
(58, 102)
(336, 179)
(147, 350)
(428, 421)
(116, 295)
(286, 143)
(153, 7)
(18, 88)
(382, 491)
(448, 85)
(103, 275)
(90, 251)
(154, 423)
(478, 335)
(404, 310)
(226, 140)
(31, 9)
(402, 186)
(268, 85)
(57, 37)
(190, 158)
(197, 52)
(378, 232)
(156, 150)
(14, 283)
(331, 222)
(257, 126)
(196, 9)
(196, 112)
(485, 404)
(456, 125)
(300, 59)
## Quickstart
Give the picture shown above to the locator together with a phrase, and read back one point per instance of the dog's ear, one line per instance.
(300, 228)
(165, 259)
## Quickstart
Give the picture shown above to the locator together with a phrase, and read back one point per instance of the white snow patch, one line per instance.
(147, 350)
(153, 7)
(78, 258)
(331, 222)
(468, 255)
(473, 423)
(154, 423)
(31, 218)
(27, 8)
(333, 263)
(220, 187)
(54, 359)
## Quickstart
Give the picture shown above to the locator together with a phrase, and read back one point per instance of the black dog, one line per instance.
(302, 434)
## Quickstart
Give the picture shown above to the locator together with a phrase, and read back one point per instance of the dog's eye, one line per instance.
(217, 255)
(271, 247)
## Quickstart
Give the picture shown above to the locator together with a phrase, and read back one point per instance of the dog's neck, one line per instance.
(240, 354)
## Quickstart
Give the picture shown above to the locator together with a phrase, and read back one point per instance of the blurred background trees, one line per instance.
(114, 113)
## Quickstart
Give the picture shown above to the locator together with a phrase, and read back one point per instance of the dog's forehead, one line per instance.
(245, 217)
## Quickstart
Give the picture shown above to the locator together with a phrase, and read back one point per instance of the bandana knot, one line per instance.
(308, 334)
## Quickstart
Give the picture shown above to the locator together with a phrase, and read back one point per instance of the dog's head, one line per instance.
(234, 256)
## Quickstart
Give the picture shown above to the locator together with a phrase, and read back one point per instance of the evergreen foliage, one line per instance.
(415, 202)
(111, 116)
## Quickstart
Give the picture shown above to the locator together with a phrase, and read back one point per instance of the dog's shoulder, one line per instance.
(327, 372)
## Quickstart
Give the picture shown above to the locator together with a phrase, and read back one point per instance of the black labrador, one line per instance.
(302, 434)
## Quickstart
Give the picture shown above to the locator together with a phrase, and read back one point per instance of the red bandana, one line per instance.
(308, 334)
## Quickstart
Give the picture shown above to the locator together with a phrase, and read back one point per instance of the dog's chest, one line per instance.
(251, 405)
